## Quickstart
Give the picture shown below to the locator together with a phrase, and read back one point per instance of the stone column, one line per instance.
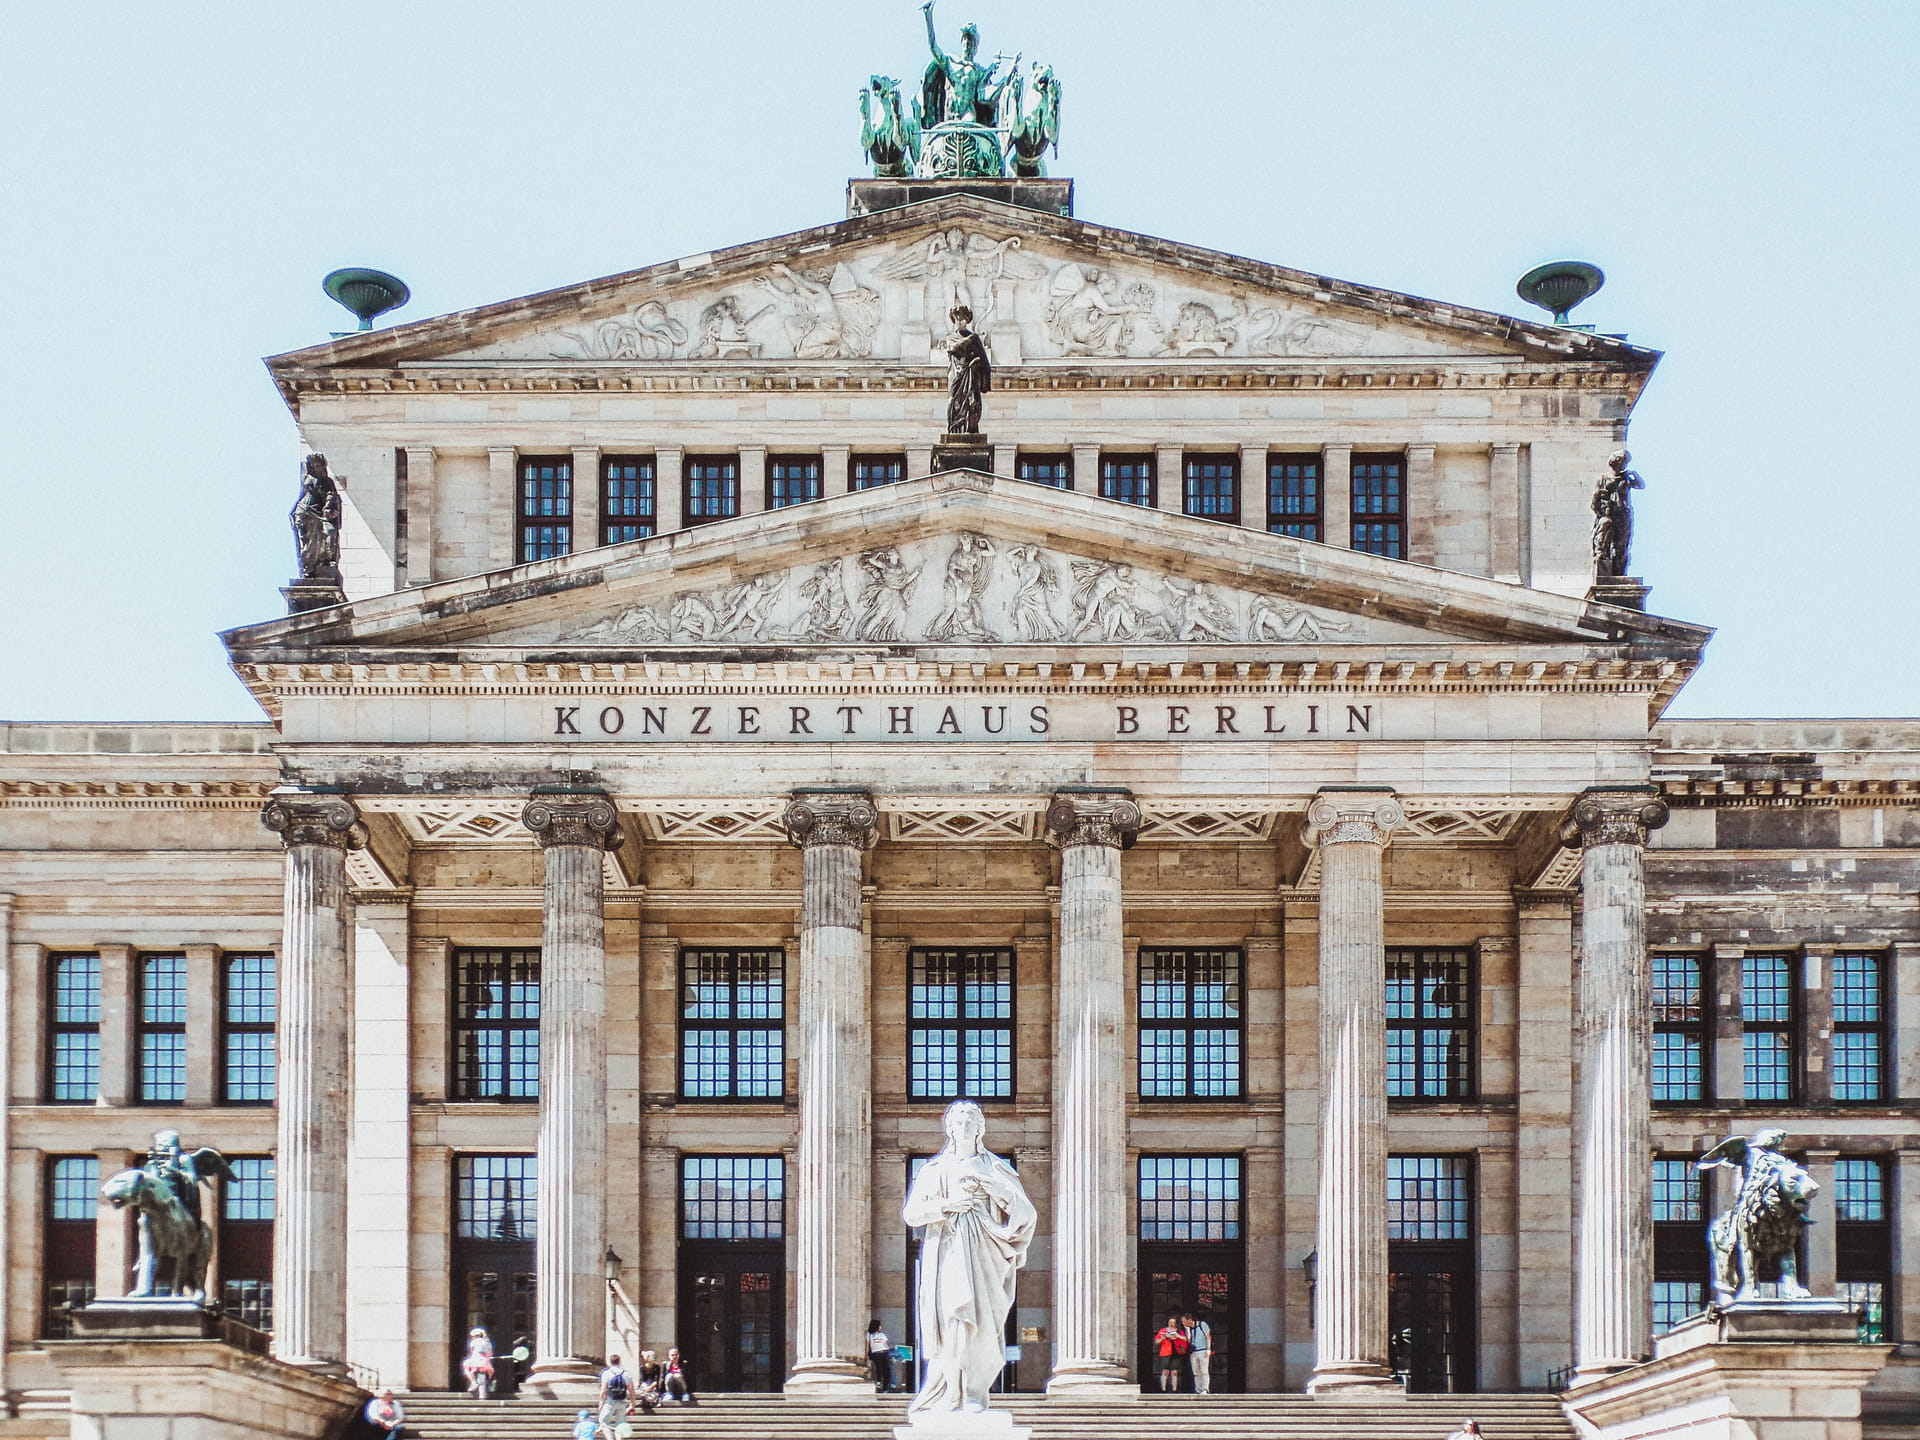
(1351, 829)
(833, 1190)
(1092, 1344)
(310, 1158)
(1613, 1288)
(575, 829)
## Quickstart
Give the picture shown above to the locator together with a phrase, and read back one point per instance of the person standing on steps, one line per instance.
(1171, 1346)
(1200, 1353)
(879, 1357)
(477, 1364)
(616, 1391)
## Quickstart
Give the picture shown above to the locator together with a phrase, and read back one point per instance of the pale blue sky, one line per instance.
(177, 178)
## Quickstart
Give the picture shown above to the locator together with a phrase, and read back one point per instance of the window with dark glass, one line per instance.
(1054, 470)
(732, 1026)
(1190, 1197)
(246, 1241)
(1767, 1023)
(251, 1010)
(626, 498)
(496, 1197)
(1863, 1240)
(1127, 478)
(1293, 496)
(868, 472)
(960, 1024)
(1211, 486)
(713, 488)
(1429, 1197)
(1429, 1024)
(1190, 1024)
(162, 1029)
(1859, 1025)
(1679, 1242)
(73, 1026)
(1679, 1030)
(1379, 505)
(546, 506)
(733, 1197)
(67, 1240)
(793, 480)
(496, 1024)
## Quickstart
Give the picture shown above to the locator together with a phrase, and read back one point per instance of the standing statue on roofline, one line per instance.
(316, 522)
(1613, 517)
(969, 373)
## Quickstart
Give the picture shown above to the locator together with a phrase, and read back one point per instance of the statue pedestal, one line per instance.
(868, 196)
(962, 1425)
(1629, 592)
(149, 1317)
(302, 595)
(963, 452)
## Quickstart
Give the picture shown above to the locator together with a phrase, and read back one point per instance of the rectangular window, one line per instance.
(496, 1025)
(1679, 1030)
(1429, 1024)
(793, 480)
(496, 1197)
(1767, 1019)
(713, 488)
(869, 472)
(1053, 470)
(1679, 1242)
(626, 498)
(1863, 1241)
(1429, 1197)
(546, 506)
(162, 1029)
(960, 1024)
(1212, 487)
(1127, 478)
(733, 1017)
(246, 1241)
(1293, 496)
(1190, 1024)
(733, 1197)
(1190, 1197)
(1859, 1026)
(73, 1029)
(1380, 505)
(67, 1244)
(251, 1010)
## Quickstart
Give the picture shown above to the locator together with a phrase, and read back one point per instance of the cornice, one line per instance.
(1692, 794)
(138, 794)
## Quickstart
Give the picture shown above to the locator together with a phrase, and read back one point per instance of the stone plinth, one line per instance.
(963, 452)
(865, 196)
(1626, 591)
(304, 595)
(195, 1389)
(963, 1425)
(155, 1317)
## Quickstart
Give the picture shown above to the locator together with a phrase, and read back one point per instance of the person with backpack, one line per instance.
(616, 1390)
(1200, 1353)
(1172, 1346)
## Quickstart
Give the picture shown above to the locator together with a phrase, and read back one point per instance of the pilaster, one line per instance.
(1336, 495)
(753, 479)
(836, 469)
(1086, 469)
(1169, 479)
(205, 994)
(1503, 517)
(1421, 499)
(1816, 1002)
(1253, 487)
(1726, 990)
(420, 501)
(503, 504)
(119, 998)
(669, 488)
(919, 462)
(586, 497)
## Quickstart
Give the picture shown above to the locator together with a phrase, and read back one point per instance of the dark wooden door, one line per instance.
(733, 1315)
(492, 1288)
(1430, 1316)
(1208, 1281)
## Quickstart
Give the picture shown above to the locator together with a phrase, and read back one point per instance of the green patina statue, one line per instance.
(891, 141)
(1034, 131)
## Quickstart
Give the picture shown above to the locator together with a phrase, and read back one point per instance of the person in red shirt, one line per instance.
(1171, 1346)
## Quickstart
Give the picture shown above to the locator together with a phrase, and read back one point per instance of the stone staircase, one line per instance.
(1216, 1417)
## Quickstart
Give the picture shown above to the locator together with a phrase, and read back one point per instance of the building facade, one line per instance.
(1240, 791)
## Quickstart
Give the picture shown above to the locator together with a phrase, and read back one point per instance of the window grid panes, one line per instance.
(713, 489)
(251, 1011)
(1127, 478)
(1190, 1024)
(1766, 1009)
(960, 1024)
(1679, 1241)
(1863, 1236)
(74, 1188)
(1379, 505)
(249, 1194)
(1859, 1021)
(67, 1245)
(626, 498)
(869, 472)
(1053, 470)
(1190, 1197)
(1675, 1301)
(1429, 1197)
(1679, 1030)
(733, 1197)
(546, 506)
(733, 1017)
(1293, 496)
(1212, 486)
(496, 1197)
(162, 1029)
(74, 1038)
(496, 1025)
(793, 480)
(1429, 1024)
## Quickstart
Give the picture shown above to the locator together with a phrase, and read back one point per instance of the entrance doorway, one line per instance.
(732, 1323)
(1431, 1335)
(1193, 1260)
(492, 1271)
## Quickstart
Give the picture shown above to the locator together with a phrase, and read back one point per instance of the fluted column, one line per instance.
(314, 1107)
(1351, 828)
(1614, 1282)
(1092, 1343)
(833, 1196)
(575, 830)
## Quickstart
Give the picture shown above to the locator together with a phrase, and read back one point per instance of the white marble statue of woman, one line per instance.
(978, 1222)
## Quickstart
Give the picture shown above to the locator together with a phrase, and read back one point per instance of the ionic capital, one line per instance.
(583, 818)
(831, 817)
(1103, 817)
(1615, 817)
(306, 819)
(1353, 817)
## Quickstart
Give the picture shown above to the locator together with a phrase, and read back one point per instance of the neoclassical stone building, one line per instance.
(1240, 791)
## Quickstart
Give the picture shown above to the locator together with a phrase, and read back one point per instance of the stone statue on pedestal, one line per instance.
(1613, 517)
(165, 1193)
(969, 373)
(1759, 1235)
(316, 522)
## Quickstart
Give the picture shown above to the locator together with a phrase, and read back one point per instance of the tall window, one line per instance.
(1679, 1243)
(1767, 1019)
(733, 1197)
(1859, 1025)
(1054, 470)
(246, 1241)
(1293, 495)
(792, 480)
(1679, 1031)
(1190, 1024)
(496, 1197)
(960, 1024)
(1127, 478)
(1212, 487)
(1863, 1236)
(73, 1039)
(496, 1025)
(1429, 1024)
(163, 1029)
(252, 1008)
(1429, 1197)
(713, 488)
(733, 1014)
(1380, 505)
(546, 506)
(626, 498)
(67, 1244)
(1190, 1197)
(869, 472)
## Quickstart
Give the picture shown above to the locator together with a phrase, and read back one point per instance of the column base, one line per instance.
(1357, 1381)
(564, 1378)
(1093, 1380)
(829, 1379)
